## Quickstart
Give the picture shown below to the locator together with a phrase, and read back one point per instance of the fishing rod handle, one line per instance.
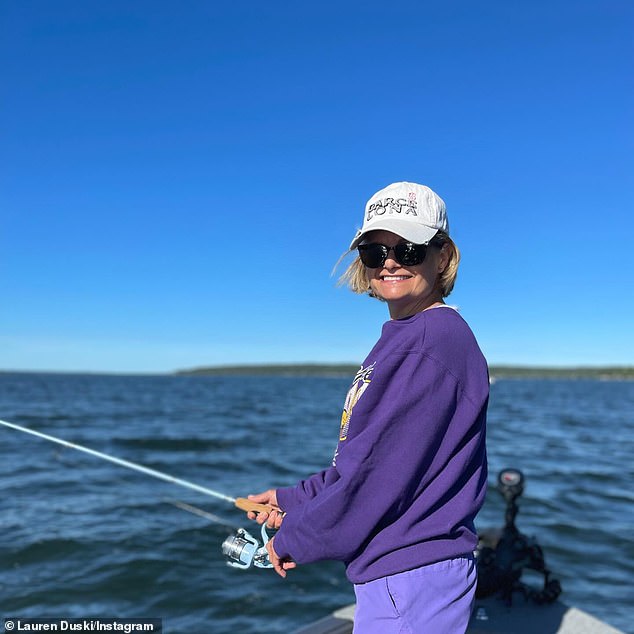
(247, 505)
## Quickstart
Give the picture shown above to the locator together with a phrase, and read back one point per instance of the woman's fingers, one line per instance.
(266, 497)
(262, 517)
(280, 566)
(274, 519)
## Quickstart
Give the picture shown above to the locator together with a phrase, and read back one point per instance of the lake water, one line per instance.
(81, 537)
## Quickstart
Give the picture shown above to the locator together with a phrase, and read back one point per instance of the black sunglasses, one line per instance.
(374, 254)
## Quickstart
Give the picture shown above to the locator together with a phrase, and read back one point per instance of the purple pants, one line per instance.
(437, 598)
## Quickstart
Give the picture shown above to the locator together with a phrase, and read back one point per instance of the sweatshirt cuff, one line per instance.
(287, 498)
(280, 546)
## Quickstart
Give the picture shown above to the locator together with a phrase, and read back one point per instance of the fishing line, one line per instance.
(196, 511)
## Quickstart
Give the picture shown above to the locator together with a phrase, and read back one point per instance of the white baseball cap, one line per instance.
(409, 210)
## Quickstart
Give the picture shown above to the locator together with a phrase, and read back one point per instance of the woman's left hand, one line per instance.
(272, 519)
(279, 565)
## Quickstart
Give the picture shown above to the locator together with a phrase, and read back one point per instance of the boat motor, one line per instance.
(503, 555)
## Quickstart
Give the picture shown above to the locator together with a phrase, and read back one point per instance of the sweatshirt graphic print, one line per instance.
(359, 385)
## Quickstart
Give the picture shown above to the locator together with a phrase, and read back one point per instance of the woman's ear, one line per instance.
(443, 258)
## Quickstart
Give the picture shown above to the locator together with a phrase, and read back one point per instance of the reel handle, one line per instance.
(246, 505)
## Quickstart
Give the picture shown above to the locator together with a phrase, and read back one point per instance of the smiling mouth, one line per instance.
(394, 278)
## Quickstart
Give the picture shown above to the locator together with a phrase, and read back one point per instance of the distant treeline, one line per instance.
(303, 369)
(348, 370)
(519, 372)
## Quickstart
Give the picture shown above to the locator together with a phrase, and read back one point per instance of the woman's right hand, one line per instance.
(273, 519)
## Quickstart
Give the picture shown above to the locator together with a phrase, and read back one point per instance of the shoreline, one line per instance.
(497, 372)
(348, 370)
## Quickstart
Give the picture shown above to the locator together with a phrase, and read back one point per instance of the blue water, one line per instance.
(81, 537)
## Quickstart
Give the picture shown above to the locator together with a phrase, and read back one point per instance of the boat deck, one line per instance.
(492, 616)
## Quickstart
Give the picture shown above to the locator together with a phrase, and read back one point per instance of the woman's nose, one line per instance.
(390, 261)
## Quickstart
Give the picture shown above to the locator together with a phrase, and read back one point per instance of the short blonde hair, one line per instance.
(357, 281)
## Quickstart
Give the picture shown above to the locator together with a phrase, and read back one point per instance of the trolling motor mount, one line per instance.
(242, 550)
(502, 556)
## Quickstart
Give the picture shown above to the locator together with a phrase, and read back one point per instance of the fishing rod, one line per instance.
(242, 549)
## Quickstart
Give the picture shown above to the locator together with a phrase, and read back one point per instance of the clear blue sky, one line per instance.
(179, 178)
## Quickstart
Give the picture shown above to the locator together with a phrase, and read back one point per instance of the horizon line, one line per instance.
(504, 367)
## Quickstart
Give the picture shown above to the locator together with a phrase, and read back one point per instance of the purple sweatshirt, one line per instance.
(409, 473)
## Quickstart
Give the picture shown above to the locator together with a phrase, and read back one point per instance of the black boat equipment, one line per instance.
(503, 556)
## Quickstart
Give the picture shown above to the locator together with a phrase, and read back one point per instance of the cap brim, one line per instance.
(416, 233)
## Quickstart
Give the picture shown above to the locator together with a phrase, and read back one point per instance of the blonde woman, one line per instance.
(398, 503)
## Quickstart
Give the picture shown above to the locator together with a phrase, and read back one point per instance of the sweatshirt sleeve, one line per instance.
(395, 430)
(288, 498)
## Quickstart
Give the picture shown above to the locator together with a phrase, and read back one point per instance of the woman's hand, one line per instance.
(279, 565)
(273, 519)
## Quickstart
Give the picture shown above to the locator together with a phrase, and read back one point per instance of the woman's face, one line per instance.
(406, 289)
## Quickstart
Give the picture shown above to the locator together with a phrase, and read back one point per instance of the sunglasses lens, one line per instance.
(372, 255)
(409, 254)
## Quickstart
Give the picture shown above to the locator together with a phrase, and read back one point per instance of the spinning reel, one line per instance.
(242, 550)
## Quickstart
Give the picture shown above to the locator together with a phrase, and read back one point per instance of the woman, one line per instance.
(397, 505)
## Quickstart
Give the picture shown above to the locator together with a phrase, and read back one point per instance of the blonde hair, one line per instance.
(357, 281)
